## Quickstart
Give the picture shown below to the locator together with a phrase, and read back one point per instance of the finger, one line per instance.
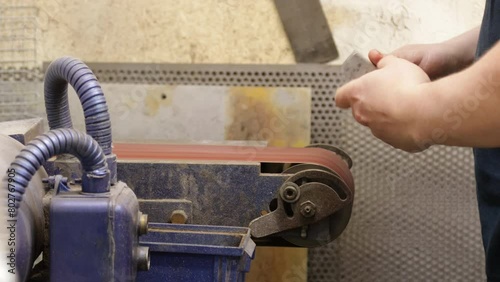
(387, 60)
(409, 54)
(343, 96)
(375, 56)
(402, 53)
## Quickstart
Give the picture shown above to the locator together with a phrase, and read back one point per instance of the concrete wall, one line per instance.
(235, 31)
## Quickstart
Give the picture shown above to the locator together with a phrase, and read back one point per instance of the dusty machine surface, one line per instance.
(99, 211)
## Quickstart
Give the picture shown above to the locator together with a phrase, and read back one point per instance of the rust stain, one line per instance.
(157, 97)
(280, 116)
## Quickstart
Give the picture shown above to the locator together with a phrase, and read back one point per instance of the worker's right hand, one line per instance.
(437, 60)
(388, 101)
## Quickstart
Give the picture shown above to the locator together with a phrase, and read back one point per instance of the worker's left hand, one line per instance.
(387, 101)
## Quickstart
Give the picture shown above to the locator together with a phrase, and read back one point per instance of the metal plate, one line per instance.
(415, 217)
(307, 30)
(322, 79)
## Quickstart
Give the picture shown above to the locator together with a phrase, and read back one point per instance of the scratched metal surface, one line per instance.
(209, 188)
(415, 216)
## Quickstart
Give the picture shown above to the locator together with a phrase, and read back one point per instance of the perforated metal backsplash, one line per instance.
(18, 45)
(415, 217)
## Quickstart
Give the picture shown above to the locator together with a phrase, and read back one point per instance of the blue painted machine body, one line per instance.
(94, 237)
(183, 252)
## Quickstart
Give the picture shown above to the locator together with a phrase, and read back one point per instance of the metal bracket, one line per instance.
(321, 194)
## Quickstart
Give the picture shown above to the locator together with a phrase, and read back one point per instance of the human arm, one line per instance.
(439, 59)
(401, 106)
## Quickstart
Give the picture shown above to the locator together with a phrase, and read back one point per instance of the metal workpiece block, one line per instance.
(22, 130)
(356, 66)
(94, 237)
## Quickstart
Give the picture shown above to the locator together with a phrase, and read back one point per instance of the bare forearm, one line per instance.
(464, 109)
(439, 59)
(465, 44)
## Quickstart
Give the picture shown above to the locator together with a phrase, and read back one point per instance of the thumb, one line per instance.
(343, 95)
(375, 56)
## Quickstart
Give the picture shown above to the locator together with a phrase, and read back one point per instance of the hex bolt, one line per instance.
(143, 223)
(143, 258)
(290, 193)
(179, 217)
(308, 209)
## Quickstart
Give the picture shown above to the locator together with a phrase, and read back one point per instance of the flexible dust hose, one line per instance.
(95, 177)
(73, 71)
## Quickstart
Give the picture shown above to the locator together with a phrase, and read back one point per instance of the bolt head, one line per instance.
(308, 209)
(179, 217)
(290, 193)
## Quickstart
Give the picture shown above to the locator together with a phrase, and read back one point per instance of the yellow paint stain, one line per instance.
(157, 97)
(299, 144)
(280, 143)
(282, 117)
(151, 104)
(256, 113)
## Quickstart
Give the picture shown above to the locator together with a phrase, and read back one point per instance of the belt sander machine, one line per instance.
(103, 211)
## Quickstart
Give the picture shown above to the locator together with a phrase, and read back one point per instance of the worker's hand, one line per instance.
(386, 100)
(437, 60)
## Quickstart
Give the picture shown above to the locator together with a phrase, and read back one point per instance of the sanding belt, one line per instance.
(315, 156)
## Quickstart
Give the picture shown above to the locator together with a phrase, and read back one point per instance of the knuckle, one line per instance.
(360, 118)
(348, 94)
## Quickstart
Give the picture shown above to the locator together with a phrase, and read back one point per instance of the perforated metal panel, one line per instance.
(415, 216)
(18, 48)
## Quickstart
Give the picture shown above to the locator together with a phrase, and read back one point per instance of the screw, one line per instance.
(308, 209)
(290, 193)
(179, 217)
